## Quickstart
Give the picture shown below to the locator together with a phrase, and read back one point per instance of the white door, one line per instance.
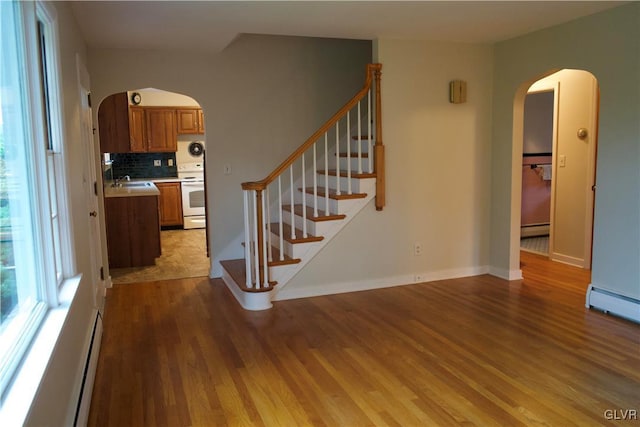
(89, 181)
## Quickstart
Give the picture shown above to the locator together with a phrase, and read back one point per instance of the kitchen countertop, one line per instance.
(133, 188)
(171, 179)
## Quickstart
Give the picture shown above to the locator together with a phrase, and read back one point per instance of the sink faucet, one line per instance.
(117, 183)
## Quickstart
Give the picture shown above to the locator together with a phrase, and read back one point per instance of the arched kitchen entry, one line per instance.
(152, 153)
(555, 145)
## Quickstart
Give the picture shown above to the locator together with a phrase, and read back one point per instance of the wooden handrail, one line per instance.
(371, 69)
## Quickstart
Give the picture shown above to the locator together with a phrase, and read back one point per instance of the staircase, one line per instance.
(295, 211)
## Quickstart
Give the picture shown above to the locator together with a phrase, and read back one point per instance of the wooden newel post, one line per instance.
(379, 147)
(260, 237)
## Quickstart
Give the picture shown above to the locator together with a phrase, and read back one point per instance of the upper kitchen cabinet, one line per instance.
(113, 123)
(160, 129)
(190, 120)
(137, 134)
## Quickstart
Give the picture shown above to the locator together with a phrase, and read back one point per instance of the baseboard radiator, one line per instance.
(89, 374)
(534, 230)
(610, 302)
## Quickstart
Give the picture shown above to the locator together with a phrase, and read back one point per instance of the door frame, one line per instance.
(516, 172)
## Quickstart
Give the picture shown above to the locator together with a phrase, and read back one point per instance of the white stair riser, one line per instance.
(316, 228)
(354, 164)
(279, 273)
(358, 185)
(293, 250)
(336, 206)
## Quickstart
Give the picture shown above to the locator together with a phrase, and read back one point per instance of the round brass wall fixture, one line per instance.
(582, 133)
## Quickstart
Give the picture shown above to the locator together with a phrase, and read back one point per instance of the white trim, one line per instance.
(505, 274)
(84, 384)
(253, 301)
(611, 302)
(570, 260)
(21, 393)
(370, 284)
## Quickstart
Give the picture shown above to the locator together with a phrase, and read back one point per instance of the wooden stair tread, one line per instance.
(286, 231)
(364, 175)
(355, 155)
(235, 268)
(333, 195)
(297, 209)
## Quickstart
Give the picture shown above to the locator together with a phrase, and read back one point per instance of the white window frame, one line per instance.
(51, 281)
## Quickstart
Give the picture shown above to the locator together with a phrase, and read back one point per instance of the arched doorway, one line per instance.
(157, 137)
(568, 170)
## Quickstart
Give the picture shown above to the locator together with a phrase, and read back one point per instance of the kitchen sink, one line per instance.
(136, 184)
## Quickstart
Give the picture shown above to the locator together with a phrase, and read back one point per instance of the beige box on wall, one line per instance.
(457, 91)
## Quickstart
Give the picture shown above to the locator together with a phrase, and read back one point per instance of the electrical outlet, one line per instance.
(418, 278)
(170, 162)
(157, 163)
(417, 249)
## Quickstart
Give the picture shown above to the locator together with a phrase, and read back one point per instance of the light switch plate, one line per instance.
(227, 169)
(562, 161)
(157, 163)
(170, 162)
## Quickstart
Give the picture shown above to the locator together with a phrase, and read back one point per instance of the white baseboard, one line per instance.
(613, 303)
(370, 284)
(566, 259)
(505, 274)
(92, 351)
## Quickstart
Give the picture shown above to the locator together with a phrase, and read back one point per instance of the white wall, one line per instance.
(437, 171)
(607, 45)
(262, 97)
(57, 396)
(160, 98)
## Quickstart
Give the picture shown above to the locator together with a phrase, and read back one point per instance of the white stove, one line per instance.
(191, 176)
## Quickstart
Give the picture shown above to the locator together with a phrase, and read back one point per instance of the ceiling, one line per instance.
(209, 26)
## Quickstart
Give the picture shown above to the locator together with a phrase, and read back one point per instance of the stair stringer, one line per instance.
(284, 274)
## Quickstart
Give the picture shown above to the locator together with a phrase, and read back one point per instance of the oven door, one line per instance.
(193, 198)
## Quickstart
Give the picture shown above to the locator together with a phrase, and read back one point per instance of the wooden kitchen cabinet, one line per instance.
(160, 129)
(170, 203)
(113, 124)
(190, 120)
(137, 130)
(133, 231)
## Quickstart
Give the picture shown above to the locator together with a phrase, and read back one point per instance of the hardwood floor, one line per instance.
(473, 351)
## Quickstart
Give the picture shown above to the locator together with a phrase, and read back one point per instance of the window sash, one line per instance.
(31, 180)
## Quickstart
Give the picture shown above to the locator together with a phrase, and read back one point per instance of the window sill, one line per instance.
(22, 391)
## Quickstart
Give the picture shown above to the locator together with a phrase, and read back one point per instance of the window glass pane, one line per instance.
(20, 296)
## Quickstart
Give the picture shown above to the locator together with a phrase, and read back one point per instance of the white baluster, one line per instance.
(293, 219)
(326, 175)
(281, 234)
(349, 152)
(268, 215)
(255, 241)
(247, 240)
(359, 140)
(369, 153)
(304, 202)
(265, 262)
(337, 160)
(315, 182)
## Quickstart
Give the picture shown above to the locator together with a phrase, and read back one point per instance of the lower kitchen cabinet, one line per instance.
(170, 203)
(133, 231)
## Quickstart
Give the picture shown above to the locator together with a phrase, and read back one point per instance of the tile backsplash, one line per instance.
(141, 165)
